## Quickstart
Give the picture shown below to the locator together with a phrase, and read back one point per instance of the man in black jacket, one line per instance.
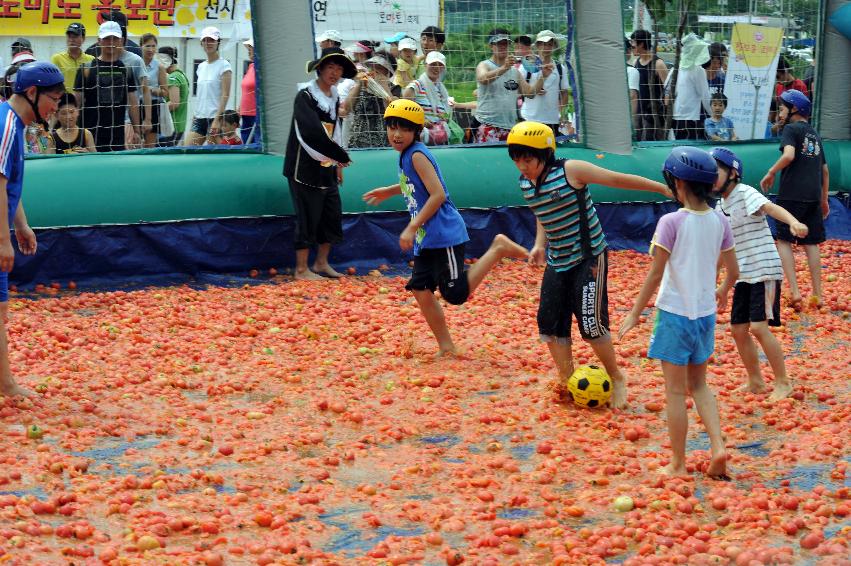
(314, 161)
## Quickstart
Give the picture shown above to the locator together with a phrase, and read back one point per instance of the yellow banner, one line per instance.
(757, 45)
(168, 18)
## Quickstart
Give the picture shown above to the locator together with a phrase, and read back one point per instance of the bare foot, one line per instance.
(12, 389)
(797, 303)
(618, 399)
(782, 389)
(509, 248)
(717, 469)
(327, 271)
(674, 471)
(307, 275)
(558, 388)
(815, 301)
(753, 387)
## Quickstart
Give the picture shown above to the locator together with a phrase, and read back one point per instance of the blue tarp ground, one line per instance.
(222, 251)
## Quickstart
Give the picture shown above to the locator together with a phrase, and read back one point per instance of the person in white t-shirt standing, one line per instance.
(213, 80)
(756, 296)
(692, 90)
(633, 84)
(546, 107)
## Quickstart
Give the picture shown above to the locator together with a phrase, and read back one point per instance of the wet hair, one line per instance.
(642, 37)
(147, 37)
(518, 151)
(396, 122)
(68, 99)
(719, 96)
(435, 33)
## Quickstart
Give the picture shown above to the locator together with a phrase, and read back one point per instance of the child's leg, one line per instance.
(502, 246)
(750, 357)
(787, 259)
(677, 415)
(606, 354)
(707, 408)
(563, 357)
(814, 263)
(433, 313)
(8, 386)
(774, 352)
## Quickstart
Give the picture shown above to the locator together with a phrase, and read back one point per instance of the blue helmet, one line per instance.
(690, 164)
(37, 73)
(798, 99)
(728, 158)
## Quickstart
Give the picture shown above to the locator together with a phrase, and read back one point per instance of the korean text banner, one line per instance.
(374, 19)
(167, 18)
(749, 84)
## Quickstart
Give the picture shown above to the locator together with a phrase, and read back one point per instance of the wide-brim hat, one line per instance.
(695, 52)
(381, 61)
(336, 55)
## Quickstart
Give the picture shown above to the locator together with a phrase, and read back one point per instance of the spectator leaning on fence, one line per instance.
(73, 57)
(499, 85)
(157, 82)
(213, 80)
(104, 88)
(366, 102)
(430, 93)
(250, 129)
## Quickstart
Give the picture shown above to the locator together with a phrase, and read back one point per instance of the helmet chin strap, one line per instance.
(34, 105)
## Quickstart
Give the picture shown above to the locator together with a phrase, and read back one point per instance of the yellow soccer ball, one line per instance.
(590, 386)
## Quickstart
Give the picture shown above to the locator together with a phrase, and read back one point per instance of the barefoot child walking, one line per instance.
(570, 241)
(686, 249)
(436, 232)
(756, 297)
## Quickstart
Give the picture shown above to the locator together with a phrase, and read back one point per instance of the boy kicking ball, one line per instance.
(436, 233)
(570, 241)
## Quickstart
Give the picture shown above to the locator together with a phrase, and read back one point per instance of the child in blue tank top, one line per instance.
(436, 232)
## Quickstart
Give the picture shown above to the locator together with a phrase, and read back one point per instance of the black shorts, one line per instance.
(201, 126)
(441, 268)
(319, 215)
(756, 302)
(807, 213)
(581, 291)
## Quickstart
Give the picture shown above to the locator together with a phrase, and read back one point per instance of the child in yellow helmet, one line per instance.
(569, 240)
(436, 232)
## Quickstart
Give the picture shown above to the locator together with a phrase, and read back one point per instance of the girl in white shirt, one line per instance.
(213, 90)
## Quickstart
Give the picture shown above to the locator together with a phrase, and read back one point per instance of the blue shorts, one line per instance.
(681, 341)
(4, 286)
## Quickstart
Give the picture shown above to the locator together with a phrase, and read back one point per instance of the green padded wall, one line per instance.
(85, 190)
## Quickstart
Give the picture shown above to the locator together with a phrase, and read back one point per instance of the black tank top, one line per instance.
(648, 86)
(65, 147)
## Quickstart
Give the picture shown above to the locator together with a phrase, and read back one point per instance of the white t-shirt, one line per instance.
(544, 107)
(694, 240)
(633, 78)
(692, 91)
(209, 83)
(755, 249)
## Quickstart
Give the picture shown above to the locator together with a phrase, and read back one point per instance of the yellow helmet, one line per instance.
(532, 134)
(407, 109)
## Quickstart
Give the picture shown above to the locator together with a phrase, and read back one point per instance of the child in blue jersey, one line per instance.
(436, 232)
(37, 90)
(570, 240)
(686, 249)
(756, 297)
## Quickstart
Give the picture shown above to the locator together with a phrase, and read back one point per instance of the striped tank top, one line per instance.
(555, 204)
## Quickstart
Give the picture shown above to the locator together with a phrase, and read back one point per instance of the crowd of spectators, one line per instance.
(130, 95)
(126, 95)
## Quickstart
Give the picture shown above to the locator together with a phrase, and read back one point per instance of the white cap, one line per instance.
(329, 35)
(249, 42)
(211, 32)
(435, 57)
(407, 43)
(546, 36)
(22, 57)
(109, 29)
